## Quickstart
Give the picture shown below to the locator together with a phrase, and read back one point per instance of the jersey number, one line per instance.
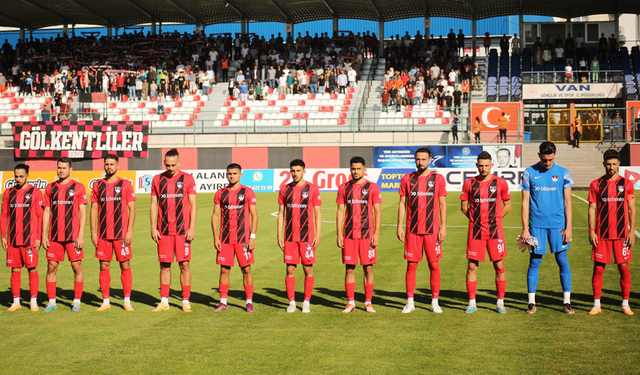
(309, 254)
(247, 254)
(372, 253)
(125, 251)
(501, 248)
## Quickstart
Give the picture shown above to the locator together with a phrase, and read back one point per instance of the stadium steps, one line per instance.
(584, 163)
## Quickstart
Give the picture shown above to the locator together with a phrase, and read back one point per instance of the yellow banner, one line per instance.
(41, 179)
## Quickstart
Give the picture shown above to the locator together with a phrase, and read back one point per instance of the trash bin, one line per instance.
(527, 137)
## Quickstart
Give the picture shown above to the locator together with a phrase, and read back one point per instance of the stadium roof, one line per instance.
(34, 14)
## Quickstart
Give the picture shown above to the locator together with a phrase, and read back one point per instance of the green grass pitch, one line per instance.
(326, 341)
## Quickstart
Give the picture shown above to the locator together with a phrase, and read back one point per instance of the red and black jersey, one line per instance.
(235, 217)
(611, 198)
(423, 201)
(299, 203)
(485, 207)
(113, 207)
(358, 200)
(64, 200)
(174, 208)
(22, 212)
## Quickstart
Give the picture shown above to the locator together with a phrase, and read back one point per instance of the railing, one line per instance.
(364, 98)
(578, 76)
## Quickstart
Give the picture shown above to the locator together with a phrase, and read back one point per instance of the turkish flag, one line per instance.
(489, 115)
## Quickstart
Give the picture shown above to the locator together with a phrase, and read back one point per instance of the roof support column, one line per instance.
(153, 27)
(381, 39)
(335, 25)
(474, 32)
(73, 30)
(521, 27)
(427, 28)
(616, 25)
(243, 25)
(22, 34)
(109, 31)
(160, 27)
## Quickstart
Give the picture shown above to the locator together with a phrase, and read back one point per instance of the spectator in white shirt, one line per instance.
(352, 77)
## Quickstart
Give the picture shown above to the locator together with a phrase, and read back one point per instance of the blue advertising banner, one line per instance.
(403, 156)
(390, 178)
(503, 155)
(260, 180)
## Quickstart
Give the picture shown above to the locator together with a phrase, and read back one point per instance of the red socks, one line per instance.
(412, 267)
(501, 285)
(77, 289)
(596, 280)
(15, 284)
(351, 288)
(625, 281)
(368, 292)
(105, 282)
(164, 290)
(290, 282)
(51, 290)
(127, 281)
(34, 283)
(224, 290)
(308, 287)
(248, 291)
(434, 267)
(471, 289)
(186, 292)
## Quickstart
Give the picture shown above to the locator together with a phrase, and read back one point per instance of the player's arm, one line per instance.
(568, 214)
(132, 218)
(280, 226)
(215, 224)
(524, 214)
(506, 207)
(45, 227)
(39, 212)
(442, 235)
(254, 226)
(591, 218)
(82, 218)
(464, 207)
(153, 209)
(93, 217)
(191, 232)
(631, 237)
(4, 221)
(402, 211)
(339, 225)
(317, 217)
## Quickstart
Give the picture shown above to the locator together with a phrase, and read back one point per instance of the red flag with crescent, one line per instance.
(489, 115)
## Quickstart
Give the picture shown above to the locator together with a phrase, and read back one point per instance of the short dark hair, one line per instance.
(484, 155)
(66, 160)
(21, 166)
(547, 148)
(234, 166)
(357, 159)
(423, 149)
(504, 149)
(297, 163)
(172, 152)
(111, 156)
(608, 155)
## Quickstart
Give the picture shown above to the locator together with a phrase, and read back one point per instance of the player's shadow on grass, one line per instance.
(614, 303)
(267, 300)
(550, 299)
(402, 296)
(316, 298)
(136, 297)
(452, 299)
(341, 297)
(199, 298)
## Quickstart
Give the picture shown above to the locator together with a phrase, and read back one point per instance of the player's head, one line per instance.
(504, 157)
(21, 175)
(358, 168)
(65, 166)
(110, 165)
(546, 154)
(172, 161)
(234, 173)
(297, 170)
(484, 164)
(611, 162)
(422, 158)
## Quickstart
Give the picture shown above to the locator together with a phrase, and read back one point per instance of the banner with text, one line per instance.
(210, 180)
(572, 91)
(82, 139)
(41, 179)
(503, 156)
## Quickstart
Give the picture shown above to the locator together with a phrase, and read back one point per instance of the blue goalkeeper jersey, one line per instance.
(546, 188)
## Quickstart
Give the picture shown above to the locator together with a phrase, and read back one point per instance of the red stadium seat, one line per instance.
(125, 118)
(312, 96)
(348, 96)
(178, 104)
(322, 108)
(329, 109)
(243, 116)
(302, 102)
(124, 111)
(24, 112)
(4, 119)
(282, 97)
(343, 115)
(304, 116)
(15, 106)
(112, 105)
(228, 116)
(346, 102)
(41, 106)
(33, 119)
(407, 115)
(258, 116)
(189, 123)
(246, 110)
(5, 95)
(284, 109)
(229, 97)
(125, 98)
(197, 110)
(408, 108)
(422, 121)
(152, 111)
(439, 108)
(272, 103)
(241, 103)
(193, 117)
(231, 110)
(445, 121)
(286, 123)
(12, 94)
(163, 117)
(142, 105)
(438, 113)
(200, 104)
(196, 98)
(227, 104)
(167, 111)
(351, 90)
(13, 101)
(295, 116)
(341, 122)
(344, 109)
(225, 123)
(334, 96)
(270, 91)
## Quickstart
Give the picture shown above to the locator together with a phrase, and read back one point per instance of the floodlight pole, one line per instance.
(153, 27)
(243, 25)
(335, 25)
(22, 34)
(617, 27)
(381, 38)
(474, 32)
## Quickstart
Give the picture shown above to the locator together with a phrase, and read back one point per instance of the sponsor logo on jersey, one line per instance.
(20, 205)
(357, 201)
(421, 193)
(554, 178)
(493, 189)
(612, 199)
(296, 205)
(165, 196)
